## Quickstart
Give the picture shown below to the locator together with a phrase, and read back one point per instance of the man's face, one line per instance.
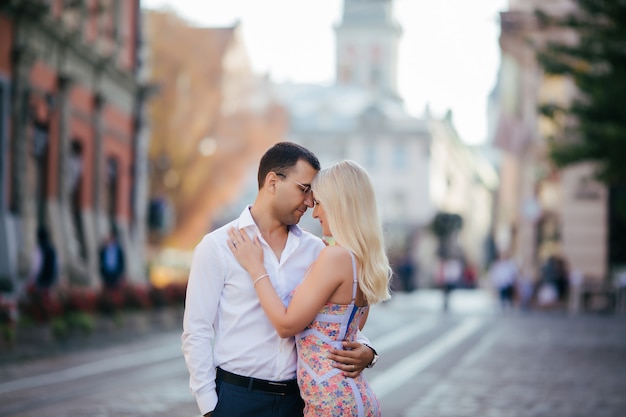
(293, 192)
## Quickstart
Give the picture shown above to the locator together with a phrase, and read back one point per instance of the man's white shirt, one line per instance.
(224, 324)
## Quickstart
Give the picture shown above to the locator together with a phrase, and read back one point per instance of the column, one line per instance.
(22, 202)
(99, 166)
(63, 229)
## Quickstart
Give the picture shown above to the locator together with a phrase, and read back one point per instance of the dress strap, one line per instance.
(354, 277)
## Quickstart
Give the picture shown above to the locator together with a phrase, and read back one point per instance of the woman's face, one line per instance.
(320, 214)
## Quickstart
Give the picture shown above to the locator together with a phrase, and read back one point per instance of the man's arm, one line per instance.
(202, 299)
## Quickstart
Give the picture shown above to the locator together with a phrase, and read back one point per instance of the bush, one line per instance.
(136, 297)
(83, 322)
(40, 305)
(76, 306)
(158, 298)
(110, 302)
(175, 294)
(79, 300)
(6, 316)
(7, 322)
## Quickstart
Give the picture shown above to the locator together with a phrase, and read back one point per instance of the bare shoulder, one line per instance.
(335, 253)
(334, 258)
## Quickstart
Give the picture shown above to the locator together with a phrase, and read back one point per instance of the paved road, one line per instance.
(472, 361)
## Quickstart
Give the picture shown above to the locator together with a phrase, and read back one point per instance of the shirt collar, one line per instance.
(246, 220)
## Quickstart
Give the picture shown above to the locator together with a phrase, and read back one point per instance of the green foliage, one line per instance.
(597, 65)
(84, 323)
(7, 333)
(445, 224)
(7, 323)
(60, 329)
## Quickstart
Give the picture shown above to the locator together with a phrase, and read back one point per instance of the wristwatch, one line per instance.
(373, 362)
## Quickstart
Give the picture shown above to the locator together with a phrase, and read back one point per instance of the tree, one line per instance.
(593, 125)
(446, 226)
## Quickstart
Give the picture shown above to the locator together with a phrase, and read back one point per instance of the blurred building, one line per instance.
(71, 133)
(212, 120)
(419, 165)
(542, 211)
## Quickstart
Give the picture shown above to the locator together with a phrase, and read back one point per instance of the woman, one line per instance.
(333, 300)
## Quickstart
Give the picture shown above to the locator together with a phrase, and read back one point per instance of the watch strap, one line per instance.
(374, 359)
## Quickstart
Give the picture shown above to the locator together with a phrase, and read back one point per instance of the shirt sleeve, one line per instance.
(362, 339)
(206, 279)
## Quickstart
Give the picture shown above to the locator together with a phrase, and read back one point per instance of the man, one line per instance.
(112, 262)
(238, 364)
(504, 274)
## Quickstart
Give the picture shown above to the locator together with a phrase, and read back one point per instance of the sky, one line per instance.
(448, 54)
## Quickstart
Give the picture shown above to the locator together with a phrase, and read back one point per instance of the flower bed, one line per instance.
(67, 314)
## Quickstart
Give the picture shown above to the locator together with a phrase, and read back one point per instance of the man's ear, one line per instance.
(270, 181)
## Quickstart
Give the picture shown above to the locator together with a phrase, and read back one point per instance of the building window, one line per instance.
(400, 158)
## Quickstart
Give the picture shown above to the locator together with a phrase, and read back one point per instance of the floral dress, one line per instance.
(325, 390)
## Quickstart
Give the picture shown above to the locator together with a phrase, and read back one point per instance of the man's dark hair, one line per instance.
(283, 156)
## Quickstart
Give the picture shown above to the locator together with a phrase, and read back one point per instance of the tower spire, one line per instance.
(367, 46)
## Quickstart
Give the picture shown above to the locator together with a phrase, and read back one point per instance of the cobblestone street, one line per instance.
(541, 364)
(470, 362)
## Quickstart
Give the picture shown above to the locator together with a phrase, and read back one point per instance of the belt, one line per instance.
(288, 387)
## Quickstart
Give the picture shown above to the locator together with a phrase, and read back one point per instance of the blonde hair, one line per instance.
(347, 195)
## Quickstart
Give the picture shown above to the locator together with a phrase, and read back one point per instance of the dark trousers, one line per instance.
(236, 401)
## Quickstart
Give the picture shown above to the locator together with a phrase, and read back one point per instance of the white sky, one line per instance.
(449, 53)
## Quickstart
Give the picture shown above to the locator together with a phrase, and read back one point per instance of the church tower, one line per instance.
(367, 46)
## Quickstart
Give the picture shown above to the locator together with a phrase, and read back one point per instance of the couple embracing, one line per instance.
(273, 316)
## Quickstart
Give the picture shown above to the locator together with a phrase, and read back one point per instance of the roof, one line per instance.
(340, 108)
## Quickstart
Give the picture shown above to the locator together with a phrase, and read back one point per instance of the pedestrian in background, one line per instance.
(525, 289)
(112, 262)
(45, 263)
(406, 271)
(504, 275)
(553, 281)
(451, 273)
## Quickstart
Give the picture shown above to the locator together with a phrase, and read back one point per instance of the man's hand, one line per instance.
(208, 414)
(352, 359)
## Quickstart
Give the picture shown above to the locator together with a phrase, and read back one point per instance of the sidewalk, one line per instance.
(38, 341)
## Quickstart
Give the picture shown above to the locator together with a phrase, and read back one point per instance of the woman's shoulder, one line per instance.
(335, 254)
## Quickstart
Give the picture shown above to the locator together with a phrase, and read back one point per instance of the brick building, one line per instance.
(73, 142)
